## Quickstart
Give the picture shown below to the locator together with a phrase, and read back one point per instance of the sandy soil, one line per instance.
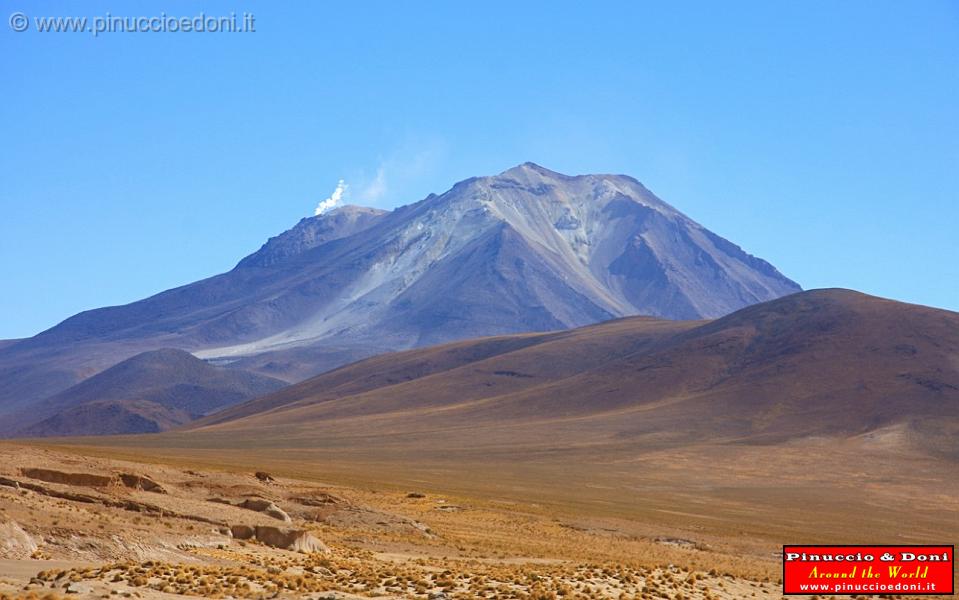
(82, 526)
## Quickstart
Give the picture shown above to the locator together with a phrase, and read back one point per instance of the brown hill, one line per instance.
(820, 363)
(150, 392)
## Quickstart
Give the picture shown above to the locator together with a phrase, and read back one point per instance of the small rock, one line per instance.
(242, 532)
(415, 495)
(15, 542)
(78, 588)
(266, 507)
(320, 499)
(264, 476)
(139, 482)
(289, 539)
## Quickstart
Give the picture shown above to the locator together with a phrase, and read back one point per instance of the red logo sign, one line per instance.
(848, 570)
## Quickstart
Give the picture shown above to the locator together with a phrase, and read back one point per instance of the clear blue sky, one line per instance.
(822, 136)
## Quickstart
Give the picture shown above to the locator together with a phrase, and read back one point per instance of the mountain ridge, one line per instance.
(526, 250)
(817, 363)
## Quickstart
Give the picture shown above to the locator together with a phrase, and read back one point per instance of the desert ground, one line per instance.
(133, 521)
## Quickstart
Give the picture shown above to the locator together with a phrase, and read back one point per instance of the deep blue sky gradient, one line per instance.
(822, 136)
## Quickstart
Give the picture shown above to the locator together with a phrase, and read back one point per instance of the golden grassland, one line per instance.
(750, 498)
(694, 524)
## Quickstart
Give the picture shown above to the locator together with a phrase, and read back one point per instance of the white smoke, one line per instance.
(333, 201)
(372, 191)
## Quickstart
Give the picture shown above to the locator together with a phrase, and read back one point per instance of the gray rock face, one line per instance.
(526, 250)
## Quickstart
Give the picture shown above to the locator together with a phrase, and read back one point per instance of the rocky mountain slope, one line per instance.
(526, 250)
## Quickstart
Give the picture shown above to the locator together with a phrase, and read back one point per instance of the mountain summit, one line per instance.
(526, 250)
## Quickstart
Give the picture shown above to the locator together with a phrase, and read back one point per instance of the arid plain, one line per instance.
(702, 523)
